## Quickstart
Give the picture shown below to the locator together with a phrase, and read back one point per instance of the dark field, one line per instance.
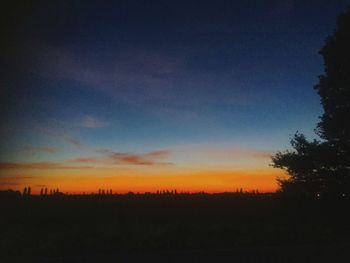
(173, 228)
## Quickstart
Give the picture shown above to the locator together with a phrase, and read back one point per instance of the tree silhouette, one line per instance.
(334, 90)
(319, 168)
(334, 86)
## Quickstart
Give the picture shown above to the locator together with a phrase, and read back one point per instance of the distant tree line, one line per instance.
(103, 192)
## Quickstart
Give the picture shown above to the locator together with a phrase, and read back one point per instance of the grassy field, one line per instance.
(169, 228)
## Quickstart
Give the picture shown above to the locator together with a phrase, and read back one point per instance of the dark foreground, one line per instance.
(174, 228)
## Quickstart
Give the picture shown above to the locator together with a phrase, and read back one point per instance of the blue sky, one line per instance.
(142, 76)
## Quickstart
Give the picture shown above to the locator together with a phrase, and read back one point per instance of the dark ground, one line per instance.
(173, 228)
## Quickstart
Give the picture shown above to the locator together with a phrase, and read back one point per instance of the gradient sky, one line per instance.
(148, 95)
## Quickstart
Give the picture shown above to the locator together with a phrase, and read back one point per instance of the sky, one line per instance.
(153, 95)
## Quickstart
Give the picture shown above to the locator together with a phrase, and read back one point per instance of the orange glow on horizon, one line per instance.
(84, 181)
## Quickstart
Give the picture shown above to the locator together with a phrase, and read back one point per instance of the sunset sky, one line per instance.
(152, 95)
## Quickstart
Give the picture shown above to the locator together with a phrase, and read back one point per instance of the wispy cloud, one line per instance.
(159, 153)
(85, 160)
(150, 158)
(43, 149)
(154, 80)
(203, 153)
(59, 134)
(49, 131)
(131, 159)
(123, 75)
(92, 122)
(112, 157)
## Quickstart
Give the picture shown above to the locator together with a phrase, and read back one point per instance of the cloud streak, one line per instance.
(84, 160)
(123, 75)
(62, 135)
(43, 149)
(131, 159)
(150, 158)
(120, 158)
(159, 153)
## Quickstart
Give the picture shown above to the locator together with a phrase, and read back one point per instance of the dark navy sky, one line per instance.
(143, 75)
